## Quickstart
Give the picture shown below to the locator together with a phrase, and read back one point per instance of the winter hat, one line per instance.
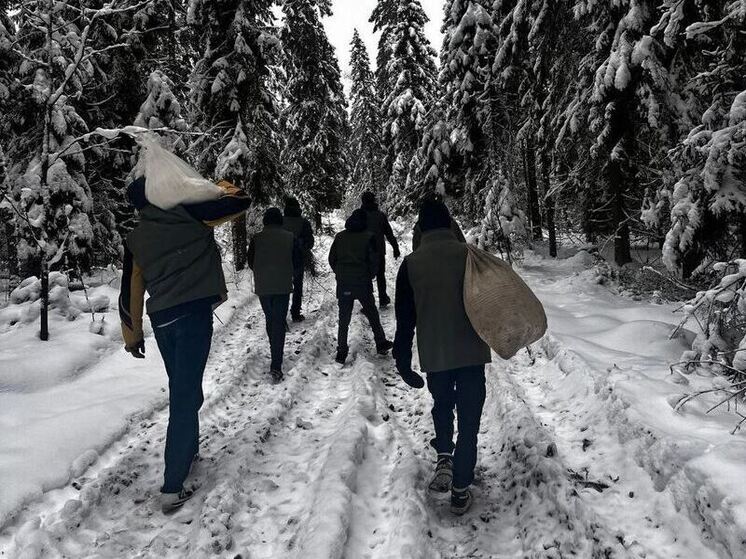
(368, 198)
(433, 215)
(291, 202)
(273, 216)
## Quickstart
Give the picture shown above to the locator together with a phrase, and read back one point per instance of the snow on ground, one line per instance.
(581, 453)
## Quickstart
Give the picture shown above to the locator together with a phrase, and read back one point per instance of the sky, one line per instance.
(351, 14)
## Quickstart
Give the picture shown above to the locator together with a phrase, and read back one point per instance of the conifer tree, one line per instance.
(384, 19)
(315, 118)
(366, 146)
(234, 104)
(413, 73)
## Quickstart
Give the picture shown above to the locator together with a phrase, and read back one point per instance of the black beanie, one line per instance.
(433, 215)
(273, 216)
(291, 202)
(368, 198)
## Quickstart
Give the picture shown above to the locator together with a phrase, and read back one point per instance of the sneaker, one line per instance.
(172, 501)
(276, 376)
(443, 477)
(298, 317)
(384, 347)
(461, 500)
(342, 353)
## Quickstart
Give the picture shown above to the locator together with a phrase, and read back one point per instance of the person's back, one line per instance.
(445, 336)
(378, 224)
(300, 227)
(353, 255)
(272, 261)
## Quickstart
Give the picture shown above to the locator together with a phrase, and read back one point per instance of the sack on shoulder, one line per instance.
(501, 307)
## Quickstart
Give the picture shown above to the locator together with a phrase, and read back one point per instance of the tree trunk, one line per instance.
(534, 211)
(317, 219)
(622, 249)
(549, 204)
(240, 243)
(742, 227)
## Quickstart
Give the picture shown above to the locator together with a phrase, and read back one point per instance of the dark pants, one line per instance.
(275, 309)
(297, 292)
(383, 297)
(185, 346)
(463, 389)
(347, 297)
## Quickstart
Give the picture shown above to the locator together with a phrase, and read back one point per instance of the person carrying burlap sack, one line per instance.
(430, 301)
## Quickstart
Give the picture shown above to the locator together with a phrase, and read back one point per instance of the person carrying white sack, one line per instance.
(172, 254)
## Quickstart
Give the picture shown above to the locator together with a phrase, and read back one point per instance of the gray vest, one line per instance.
(353, 258)
(445, 337)
(273, 261)
(179, 258)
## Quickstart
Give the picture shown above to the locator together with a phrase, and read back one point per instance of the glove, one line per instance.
(397, 254)
(137, 350)
(411, 378)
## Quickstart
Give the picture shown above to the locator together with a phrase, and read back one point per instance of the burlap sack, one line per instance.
(501, 307)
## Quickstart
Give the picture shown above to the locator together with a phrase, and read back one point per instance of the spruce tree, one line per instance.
(233, 102)
(366, 146)
(708, 201)
(315, 118)
(384, 19)
(413, 73)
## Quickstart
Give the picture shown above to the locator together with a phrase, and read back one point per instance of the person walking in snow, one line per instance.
(299, 226)
(378, 224)
(430, 300)
(274, 254)
(173, 256)
(354, 259)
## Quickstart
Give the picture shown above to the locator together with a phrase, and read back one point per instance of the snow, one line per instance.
(581, 450)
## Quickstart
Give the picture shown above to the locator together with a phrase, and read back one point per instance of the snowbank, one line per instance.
(617, 352)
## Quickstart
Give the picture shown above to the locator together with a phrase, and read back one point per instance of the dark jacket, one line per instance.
(417, 234)
(273, 253)
(378, 224)
(430, 298)
(173, 256)
(353, 256)
(298, 226)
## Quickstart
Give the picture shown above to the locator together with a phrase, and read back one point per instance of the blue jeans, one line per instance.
(275, 309)
(185, 346)
(463, 389)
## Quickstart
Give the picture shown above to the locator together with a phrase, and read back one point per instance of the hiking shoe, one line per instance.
(276, 376)
(173, 501)
(297, 318)
(461, 500)
(384, 347)
(443, 477)
(342, 353)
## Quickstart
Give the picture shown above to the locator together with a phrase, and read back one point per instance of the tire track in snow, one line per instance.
(236, 387)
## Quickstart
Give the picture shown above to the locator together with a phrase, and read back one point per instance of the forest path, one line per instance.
(334, 462)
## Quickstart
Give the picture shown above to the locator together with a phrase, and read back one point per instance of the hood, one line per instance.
(292, 211)
(357, 222)
(136, 193)
(369, 205)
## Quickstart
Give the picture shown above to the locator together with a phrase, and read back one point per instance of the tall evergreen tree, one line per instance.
(366, 146)
(413, 72)
(384, 19)
(315, 119)
(234, 104)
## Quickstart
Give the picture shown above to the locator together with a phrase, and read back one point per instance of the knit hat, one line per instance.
(433, 215)
(273, 216)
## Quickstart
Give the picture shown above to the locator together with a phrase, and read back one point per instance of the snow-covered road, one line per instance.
(334, 462)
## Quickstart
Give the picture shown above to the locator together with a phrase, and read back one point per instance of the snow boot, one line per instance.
(384, 347)
(173, 501)
(461, 500)
(443, 477)
(276, 376)
(342, 353)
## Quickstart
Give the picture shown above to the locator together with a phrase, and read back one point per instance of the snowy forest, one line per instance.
(600, 143)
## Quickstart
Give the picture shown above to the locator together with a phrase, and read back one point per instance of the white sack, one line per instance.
(170, 181)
